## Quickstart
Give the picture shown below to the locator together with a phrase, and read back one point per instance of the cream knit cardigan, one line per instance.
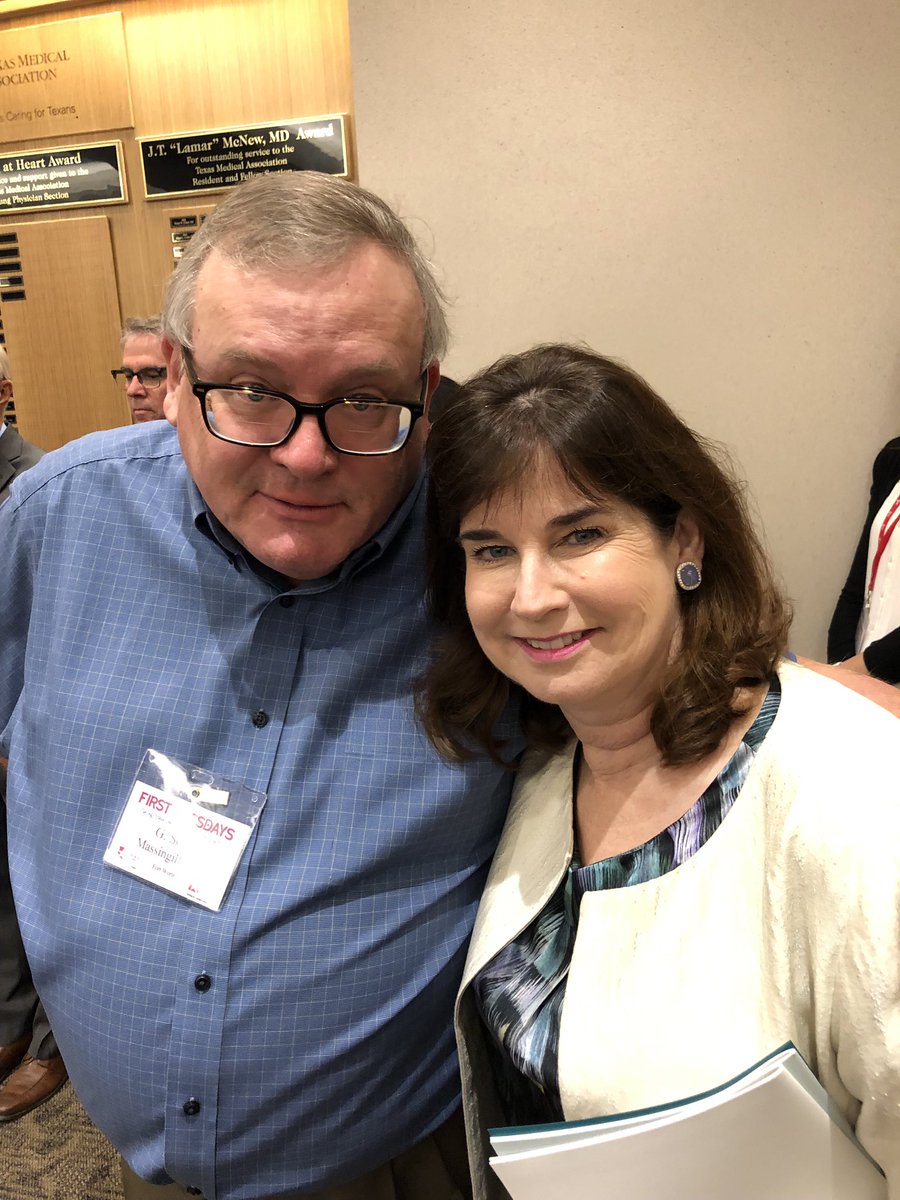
(784, 926)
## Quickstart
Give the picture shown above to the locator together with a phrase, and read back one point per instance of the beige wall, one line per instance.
(706, 189)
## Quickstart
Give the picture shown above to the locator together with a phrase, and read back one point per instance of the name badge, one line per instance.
(184, 829)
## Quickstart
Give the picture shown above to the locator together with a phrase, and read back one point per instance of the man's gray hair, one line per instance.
(4, 364)
(139, 326)
(274, 223)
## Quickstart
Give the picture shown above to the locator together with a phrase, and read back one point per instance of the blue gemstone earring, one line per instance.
(688, 576)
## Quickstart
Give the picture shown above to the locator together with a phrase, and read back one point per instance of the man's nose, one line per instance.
(306, 452)
(135, 387)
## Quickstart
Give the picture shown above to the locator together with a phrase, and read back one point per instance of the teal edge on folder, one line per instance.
(593, 1122)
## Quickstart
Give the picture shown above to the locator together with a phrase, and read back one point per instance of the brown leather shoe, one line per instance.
(12, 1054)
(33, 1082)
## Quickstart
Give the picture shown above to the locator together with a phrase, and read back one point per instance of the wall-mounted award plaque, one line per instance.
(217, 159)
(62, 177)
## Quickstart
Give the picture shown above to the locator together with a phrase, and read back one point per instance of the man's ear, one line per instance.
(172, 355)
(687, 539)
(434, 378)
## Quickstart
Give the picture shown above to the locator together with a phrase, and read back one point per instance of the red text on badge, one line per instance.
(149, 800)
(208, 825)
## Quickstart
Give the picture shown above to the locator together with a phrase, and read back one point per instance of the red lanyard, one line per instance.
(884, 536)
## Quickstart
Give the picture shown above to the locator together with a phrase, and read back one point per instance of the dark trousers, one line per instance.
(21, 1011)
(436, 1168)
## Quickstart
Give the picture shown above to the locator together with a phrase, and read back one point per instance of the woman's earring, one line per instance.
(688, 576)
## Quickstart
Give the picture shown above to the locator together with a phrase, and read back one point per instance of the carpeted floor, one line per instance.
(55, 1153)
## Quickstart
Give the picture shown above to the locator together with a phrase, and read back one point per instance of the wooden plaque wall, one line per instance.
(63, 324)
(189, 67)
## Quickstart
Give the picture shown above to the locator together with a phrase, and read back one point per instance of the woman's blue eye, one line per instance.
(581, 537)
(491, 553)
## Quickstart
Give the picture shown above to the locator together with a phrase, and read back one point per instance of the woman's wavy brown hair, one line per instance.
(613, 437)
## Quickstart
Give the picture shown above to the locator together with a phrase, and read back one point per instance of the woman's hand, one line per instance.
(856, 663)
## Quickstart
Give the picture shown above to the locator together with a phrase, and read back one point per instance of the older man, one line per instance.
(143, 369)
(245, 882)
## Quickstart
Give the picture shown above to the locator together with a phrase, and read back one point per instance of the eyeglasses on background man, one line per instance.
(148, 377)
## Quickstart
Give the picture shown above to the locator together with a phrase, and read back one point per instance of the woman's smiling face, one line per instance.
(574, 598)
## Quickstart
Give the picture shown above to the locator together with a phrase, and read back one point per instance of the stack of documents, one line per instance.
(770, 1134)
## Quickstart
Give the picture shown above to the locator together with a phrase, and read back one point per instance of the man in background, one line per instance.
(143, 369)
(31, 1069)
(16, 455)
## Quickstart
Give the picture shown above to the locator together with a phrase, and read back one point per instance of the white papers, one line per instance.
(770, 1134)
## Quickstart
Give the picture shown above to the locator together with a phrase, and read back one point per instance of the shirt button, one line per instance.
(260, 718)
(203, 982)
(286, 601)
(191, 1107)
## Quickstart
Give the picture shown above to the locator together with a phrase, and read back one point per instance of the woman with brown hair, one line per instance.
(701, 858)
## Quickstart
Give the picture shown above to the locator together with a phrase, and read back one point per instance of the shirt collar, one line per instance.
(356, 561)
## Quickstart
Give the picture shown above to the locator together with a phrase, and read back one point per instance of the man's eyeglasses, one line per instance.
(148, 377)
(259, 416)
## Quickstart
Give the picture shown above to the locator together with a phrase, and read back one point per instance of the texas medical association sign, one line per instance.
(64, 77)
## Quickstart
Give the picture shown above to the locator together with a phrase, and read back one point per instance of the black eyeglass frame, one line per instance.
(200, 387)
(129, 375)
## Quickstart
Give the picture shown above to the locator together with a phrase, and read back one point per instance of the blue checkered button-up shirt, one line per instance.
(302, 1034)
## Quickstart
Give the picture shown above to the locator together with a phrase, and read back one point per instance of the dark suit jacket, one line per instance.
(16, 456)
(882, 658)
